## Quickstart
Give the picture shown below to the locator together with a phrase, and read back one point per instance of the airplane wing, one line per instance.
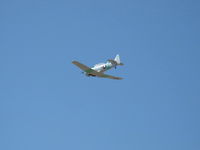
(83, 67)
(102, 75)
(93, 72)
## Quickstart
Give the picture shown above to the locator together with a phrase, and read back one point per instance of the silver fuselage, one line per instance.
(102, 67)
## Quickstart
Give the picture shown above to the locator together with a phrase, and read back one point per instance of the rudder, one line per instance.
(117, 59)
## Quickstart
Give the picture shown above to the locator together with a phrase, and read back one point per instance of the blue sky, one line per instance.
(45, 101)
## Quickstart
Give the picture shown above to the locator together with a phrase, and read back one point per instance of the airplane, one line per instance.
(99, 69)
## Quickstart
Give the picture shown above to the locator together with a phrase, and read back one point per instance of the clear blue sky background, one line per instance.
(46, 103)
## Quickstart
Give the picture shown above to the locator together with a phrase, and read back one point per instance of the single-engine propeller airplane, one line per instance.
(99, 69)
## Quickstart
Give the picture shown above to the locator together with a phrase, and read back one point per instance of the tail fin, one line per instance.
(117, 59)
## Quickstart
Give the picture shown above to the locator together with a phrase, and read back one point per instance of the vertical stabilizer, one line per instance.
(117, 59)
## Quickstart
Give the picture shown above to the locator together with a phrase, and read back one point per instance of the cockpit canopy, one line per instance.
(99, 64)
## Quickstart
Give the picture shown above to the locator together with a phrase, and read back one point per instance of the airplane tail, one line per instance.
(117, 59)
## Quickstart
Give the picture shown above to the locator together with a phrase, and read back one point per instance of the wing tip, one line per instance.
(119, 78)
(75, 62)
